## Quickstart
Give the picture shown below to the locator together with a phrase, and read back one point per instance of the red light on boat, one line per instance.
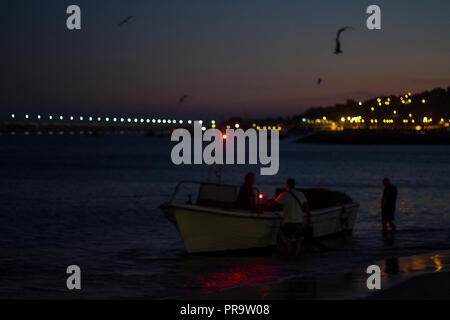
(260, 196)
(224, 137)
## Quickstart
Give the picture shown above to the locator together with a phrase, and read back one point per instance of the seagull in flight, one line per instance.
(126, 20)
(182, 99)
(338, 43)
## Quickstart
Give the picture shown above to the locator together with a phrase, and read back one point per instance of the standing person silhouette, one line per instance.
(295, 206)
(388, 205)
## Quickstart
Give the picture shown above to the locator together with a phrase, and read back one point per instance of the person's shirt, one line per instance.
(246, 198)
(389, 197)
(293, 212)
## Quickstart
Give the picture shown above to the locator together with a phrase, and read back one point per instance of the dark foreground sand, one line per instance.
(434, 286)
(425, 277)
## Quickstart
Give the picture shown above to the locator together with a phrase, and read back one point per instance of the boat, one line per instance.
(212, 223)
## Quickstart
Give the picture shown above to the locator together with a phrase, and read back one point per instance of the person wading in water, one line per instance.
(295, 206)
(388, 205)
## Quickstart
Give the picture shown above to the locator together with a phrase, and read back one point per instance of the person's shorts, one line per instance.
(388, 215)
(293, 230)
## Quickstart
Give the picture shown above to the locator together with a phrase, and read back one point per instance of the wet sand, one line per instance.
(425, 276)
(433, 286)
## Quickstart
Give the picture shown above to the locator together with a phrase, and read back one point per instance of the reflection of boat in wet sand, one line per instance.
(213, 224)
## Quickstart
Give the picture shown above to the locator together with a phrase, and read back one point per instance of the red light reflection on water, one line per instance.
(237, 276)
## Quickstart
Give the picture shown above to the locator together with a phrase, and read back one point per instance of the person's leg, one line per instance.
(279, 241)
(392, 224)
(384, 222)
(298, 246)
(288, 247)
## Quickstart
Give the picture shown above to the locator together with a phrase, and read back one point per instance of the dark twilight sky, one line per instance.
(233, 58)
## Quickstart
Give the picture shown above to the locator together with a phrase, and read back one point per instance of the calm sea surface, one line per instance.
(93, 202)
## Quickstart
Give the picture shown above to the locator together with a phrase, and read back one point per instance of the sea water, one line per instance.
(93, 202)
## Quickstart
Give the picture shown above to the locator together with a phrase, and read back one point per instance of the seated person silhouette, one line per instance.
(246, 197)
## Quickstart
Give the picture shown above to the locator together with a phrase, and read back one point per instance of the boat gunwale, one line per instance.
(272, 216)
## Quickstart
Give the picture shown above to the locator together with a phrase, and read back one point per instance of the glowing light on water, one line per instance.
(437, 262)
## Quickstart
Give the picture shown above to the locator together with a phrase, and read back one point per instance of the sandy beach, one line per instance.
(425, 277)
(433, 286)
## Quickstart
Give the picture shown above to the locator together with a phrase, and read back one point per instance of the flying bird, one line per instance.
(182, 99)
(319, 81)
(126, 20)
(338, 43)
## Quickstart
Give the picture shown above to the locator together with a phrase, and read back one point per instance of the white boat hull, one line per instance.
(207, 229)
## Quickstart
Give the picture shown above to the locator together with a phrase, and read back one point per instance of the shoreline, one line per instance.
(423, 276)
(378, 137)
